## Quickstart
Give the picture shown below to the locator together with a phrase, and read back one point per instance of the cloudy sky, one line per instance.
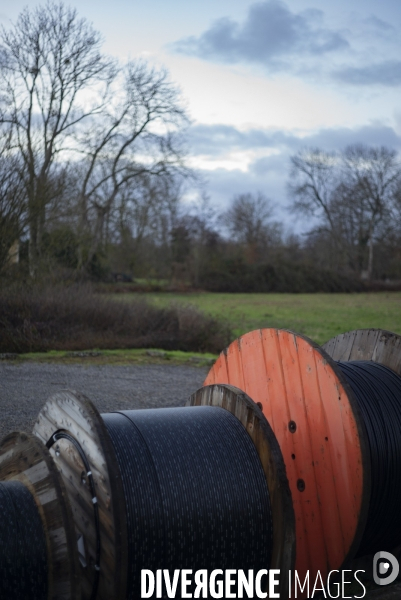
(263, 79)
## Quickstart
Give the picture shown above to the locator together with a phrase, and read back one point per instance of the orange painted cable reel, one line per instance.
(317, 422)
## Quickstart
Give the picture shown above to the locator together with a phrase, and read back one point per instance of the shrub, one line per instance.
(234, 275)
(61, 244)
(75, 318)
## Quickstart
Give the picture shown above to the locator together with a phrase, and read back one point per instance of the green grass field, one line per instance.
(118, 357)
(319, 316)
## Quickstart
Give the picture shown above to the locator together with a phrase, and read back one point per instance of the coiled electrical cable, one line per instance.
(195, 491)
(23, 550)
(378, 392)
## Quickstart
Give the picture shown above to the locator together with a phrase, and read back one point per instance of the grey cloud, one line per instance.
(275, 167)
(270, 174)
(371, 135)
(271, 31)
(380, 25)
(217, 140)
(223, 184)
(386, 73)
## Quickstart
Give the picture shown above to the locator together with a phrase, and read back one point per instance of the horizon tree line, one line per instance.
(93, 171)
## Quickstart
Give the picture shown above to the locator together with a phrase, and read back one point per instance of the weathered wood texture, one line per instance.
(378, 345)
(24, 458)
(247, 412)
(316, 421)
(74, 413)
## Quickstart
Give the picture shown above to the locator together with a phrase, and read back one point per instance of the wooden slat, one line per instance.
(377, 345)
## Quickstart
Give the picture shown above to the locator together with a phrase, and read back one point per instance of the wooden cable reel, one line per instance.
(25, 459)
(318, 426)
(73, 413)
(240, 405)
(316, 438)
(377, 345)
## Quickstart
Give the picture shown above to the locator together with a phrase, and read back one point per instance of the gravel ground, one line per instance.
(24, 388)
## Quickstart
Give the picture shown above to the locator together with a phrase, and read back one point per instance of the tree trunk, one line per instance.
(33, 249)
(370, 258)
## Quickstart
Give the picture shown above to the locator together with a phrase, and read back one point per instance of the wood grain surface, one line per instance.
(378, 345)
(74, 413)
(24, 458)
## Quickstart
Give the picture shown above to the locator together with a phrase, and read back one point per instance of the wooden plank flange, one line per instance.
(250, 415)
(76, 415)
(377, 345)
(24, 458)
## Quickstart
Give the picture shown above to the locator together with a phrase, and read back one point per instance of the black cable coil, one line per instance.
(23, 551)
(378, 392)
(195, 491)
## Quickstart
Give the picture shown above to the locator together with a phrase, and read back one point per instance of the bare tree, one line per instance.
(144, 217)
(12, 196)
(192, 238)
(138, 139)
(351, 194)
(313, 182)
(371, 177)
(51, 69)
(249, 221)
